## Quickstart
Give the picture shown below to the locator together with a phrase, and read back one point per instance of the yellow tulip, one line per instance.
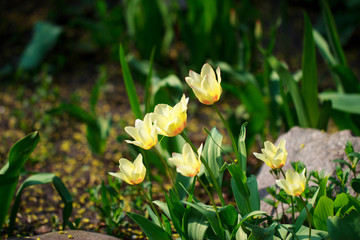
(144, 133)
(274, 157)
(187, 164)
(171, 120)
(205, 86)
(294, 184)
(129, 172)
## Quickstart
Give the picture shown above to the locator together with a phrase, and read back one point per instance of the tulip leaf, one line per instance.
(45, 36)
(303, 233)
(344, 202)
(332, 33)
(197, 225)
(243, 219)
(228, 216)
(164, 207)
(129, 85)
(151, 230)
(309, 84)
(324, 48)
(9, 173)
(342, 102)
(212, 154)
(153, 216)
(240, 189)
(177, 212)
(209, 213)
(258, 232)
(289, 82)
(42, 178)
(323, 210)
(242, 146)
(148, 82)
(254, 193)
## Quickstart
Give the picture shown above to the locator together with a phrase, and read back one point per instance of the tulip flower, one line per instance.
(187, 164)
(144, 133)
(274, 157)
(129, 172)
(294, 184)
(171, 120)
(205, 85)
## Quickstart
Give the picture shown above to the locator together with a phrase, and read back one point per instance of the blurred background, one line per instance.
(60, 75)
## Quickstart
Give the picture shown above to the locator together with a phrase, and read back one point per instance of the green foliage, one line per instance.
(45, 36)
(9, 176)
(43, 178)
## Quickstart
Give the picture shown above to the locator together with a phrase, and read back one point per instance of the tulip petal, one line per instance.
(207, 70)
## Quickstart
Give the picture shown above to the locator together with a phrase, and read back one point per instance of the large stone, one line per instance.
(70, 234)
(316, 149)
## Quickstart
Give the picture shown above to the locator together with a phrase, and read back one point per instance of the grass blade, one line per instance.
(309, 88)
(332, 33)
(288, 81)
(148, 83)
(129, 85)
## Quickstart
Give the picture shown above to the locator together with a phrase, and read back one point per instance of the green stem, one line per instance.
(229, 132)
(309, 219)
(150, 202)
(213, 179)
(211, 199)
(167, 169)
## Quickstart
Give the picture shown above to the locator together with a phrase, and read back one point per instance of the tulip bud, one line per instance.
(294, 184)
(129, 172)
(205, 85)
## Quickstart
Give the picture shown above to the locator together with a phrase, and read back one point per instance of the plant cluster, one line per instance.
(185, 215)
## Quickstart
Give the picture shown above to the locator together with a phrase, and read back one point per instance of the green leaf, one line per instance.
(324, 48)
(42, 178)
(177, 212)
(129, 85)
(323, 210)
(45, 36)
(210, 215)
(240, 189)
(258, 232)
(347, 227)
(355, 184)
(309, 85)
(303, 233)
(148, 83)
(289, 82)
(342, 102)
(332, 33)
(244, 218)
(343, 202)
(212, 154)
(322, 187)
(348, 78)
(9, 174)
(153, 216)
(254, 193)
(20, 152)
(228, 216)
(151, 230)
(197, 225)
(242, 146)
(95, 92)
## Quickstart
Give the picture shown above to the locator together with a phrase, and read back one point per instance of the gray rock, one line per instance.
(70, 234)
(316, 149)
